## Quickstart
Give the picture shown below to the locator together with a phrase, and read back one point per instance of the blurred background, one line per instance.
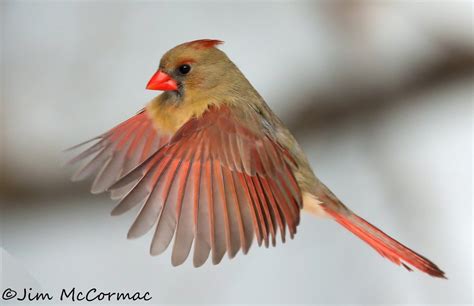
(379, 94)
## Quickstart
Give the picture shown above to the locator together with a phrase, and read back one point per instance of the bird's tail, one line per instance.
(381, 242)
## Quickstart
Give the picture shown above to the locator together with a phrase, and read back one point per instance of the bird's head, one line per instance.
(191, 69)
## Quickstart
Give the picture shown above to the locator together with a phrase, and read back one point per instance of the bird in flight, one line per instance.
(210, 164)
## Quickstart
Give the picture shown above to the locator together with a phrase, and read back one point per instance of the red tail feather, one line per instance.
(384, 244)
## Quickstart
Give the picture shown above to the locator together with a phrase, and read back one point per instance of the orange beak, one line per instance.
(161, 81)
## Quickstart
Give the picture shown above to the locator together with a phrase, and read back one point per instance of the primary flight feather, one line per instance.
(210, 164)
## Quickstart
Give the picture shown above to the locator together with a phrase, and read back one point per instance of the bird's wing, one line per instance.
(217, 183)
(118, 151)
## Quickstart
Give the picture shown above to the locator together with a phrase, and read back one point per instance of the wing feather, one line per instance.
(202, 245)
(256, 205)
(160, 191)
(118, 151)
(265, 208)
(217, 183)
(220, 231)
(186, 227)
(236, 227)
(249, 223)
(274, 206)
(167, 220)
(251, 208)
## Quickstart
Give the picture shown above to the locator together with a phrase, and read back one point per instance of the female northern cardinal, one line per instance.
(209, 162)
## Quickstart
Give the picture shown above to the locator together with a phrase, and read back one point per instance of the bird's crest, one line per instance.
(204, 43)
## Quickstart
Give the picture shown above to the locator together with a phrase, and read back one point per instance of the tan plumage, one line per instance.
(212, 165)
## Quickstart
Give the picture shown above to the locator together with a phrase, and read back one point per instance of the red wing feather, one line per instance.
(216, 183)
(118, 151)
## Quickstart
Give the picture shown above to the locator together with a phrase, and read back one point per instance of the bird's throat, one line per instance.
(169, 117)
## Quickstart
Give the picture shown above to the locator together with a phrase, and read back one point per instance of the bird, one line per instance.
(209, 164)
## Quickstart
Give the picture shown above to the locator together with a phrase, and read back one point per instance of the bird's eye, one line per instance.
(184, 69)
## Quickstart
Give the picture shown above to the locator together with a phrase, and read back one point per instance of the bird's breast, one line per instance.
(169, 117)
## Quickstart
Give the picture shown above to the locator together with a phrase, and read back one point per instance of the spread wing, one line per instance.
(217, 183)
(118, 151)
